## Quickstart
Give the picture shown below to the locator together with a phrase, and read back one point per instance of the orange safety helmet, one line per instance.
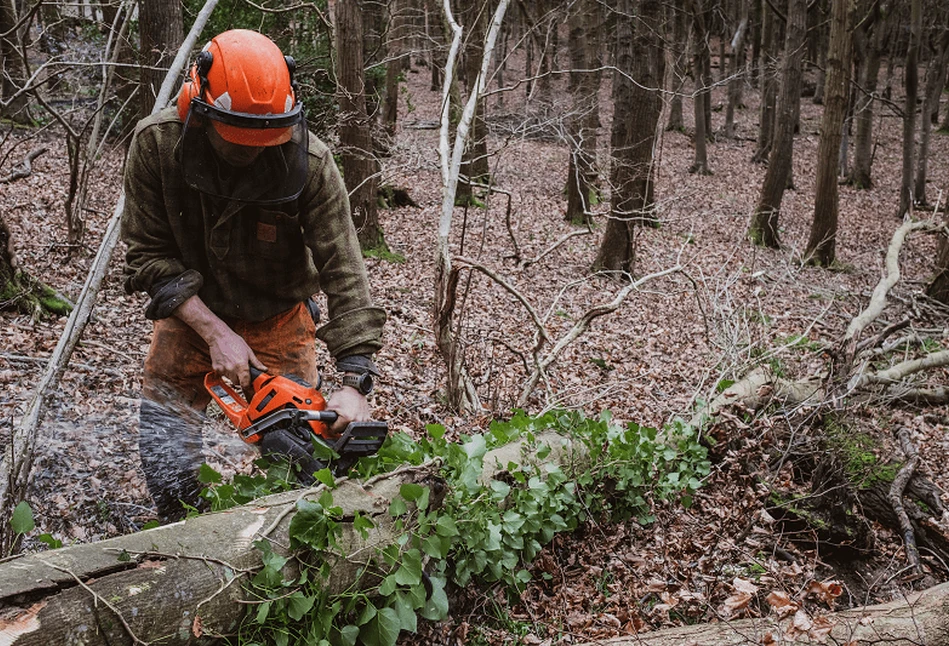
(243, 84)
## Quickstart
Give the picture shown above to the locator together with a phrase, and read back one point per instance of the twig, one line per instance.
(896, 498)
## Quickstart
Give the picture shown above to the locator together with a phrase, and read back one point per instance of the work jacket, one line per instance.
(254, 261)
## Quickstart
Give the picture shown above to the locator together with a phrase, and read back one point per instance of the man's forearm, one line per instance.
(201, 319)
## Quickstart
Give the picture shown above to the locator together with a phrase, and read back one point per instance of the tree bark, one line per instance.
(737, 66)
(181, 577)
(821, 245)
(911, 83)
(162, 31)
(13, 100)
(764, 223)
(474, 168)
(638, 106)
(769, 84)
(585, 28)
(869, 36)
(677, 51)
(938, 287)
(701, 102)
(360, 167)
(935, 83)
(921, 618)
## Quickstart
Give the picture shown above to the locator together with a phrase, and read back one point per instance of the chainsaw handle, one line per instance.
(254, 372)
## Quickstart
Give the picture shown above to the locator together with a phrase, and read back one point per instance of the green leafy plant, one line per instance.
(481, 533)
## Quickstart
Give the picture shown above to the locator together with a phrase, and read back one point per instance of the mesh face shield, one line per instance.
(258, 159)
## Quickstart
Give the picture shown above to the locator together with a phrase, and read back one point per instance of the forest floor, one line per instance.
(664, 351)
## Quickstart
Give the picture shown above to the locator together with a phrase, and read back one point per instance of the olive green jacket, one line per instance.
(255, 261)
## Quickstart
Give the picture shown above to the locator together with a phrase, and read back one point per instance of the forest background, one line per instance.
(658, 204)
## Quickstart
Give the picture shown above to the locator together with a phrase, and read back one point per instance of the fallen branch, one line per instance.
(896, 498)
(900, 371)
(922, 618)
(25, 168)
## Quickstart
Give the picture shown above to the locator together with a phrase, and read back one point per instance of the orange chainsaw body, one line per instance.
(272, 393)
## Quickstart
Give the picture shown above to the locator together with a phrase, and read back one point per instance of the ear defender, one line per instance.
(292, 68)
(195, 84)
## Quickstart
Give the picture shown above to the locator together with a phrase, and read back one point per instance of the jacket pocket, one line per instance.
(274, 235)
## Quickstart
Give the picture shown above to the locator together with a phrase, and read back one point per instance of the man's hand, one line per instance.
(230, 354)
(350, 406)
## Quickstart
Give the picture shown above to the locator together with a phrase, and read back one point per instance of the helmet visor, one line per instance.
(256, 159)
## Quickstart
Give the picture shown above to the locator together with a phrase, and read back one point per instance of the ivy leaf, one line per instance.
(436, 608)
(411, 491)
(22, 519)
(362, 525)
(382, 629)
(309, 526)
(476, 447)
(299, 605)
(397, 508)
(348, 635)
(324, 476)
(207, 475)
(404, 608)
(262, 612)
(410, 573)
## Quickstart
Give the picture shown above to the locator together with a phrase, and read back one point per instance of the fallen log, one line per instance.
(173, 584)
(922, 618)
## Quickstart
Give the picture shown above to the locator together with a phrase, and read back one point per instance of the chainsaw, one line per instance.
(286, 418)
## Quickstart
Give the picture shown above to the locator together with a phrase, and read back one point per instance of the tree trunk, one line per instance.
(737, 64)
(395, 46)
(701, 102)
(585, 28)
(359, 164)
(821, 246)
(870, 34)
(764, 223)
(935, 82)
(184, 578)
(911, 81)
(162, 32)
(938, 287)
(12, 105)
(639, 56)
(475, 166)
(769, 85)
(822, 40)
(677, 45)
(921, 618)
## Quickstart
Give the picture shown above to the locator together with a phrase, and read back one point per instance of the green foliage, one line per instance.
(480, 534)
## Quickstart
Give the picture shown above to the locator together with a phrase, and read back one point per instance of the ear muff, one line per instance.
(195, 84)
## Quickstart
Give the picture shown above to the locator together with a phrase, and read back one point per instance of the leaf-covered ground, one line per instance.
(655, 359)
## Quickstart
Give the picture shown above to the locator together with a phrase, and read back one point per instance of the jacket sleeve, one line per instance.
(152, 258)
(355, 324)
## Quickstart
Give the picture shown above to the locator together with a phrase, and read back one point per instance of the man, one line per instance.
(235, 216)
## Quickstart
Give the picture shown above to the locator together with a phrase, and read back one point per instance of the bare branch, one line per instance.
(25, 168)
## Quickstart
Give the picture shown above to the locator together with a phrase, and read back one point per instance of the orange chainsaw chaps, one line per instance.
(271, 393)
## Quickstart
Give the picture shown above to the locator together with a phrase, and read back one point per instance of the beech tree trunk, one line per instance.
(764, 223)
(821, 245)
(639, 56)
(769, 84)
(911, 82)
(585, 28)
(737, 66)
(180, 580)
(701, 102)
(12, 104)
(162, 32)
(359, 164)
(935, 83)
(678, 52)
(869, 36)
